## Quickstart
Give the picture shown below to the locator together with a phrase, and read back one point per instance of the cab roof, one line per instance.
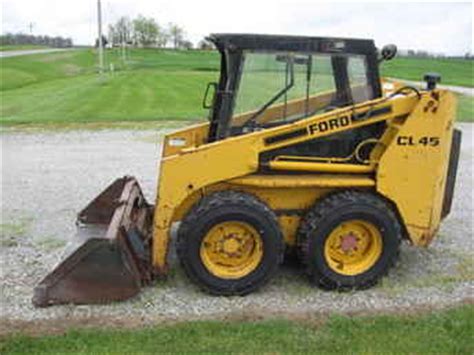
(286, 43)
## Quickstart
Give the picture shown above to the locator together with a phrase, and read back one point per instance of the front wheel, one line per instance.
(349, 240)
(230, 243)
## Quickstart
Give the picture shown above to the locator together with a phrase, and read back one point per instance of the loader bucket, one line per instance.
(110, 267)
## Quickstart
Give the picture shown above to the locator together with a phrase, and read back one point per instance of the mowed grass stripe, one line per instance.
(21, 71)
(45, 67)
(123, 96)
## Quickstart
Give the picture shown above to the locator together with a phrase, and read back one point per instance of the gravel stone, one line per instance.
(47, 177)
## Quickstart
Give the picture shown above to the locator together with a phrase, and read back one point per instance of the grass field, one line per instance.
(64, 88)
(465, 108)
(453, 71)
(20, 47)
(445, 332)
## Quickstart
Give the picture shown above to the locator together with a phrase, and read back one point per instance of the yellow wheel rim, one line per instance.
(353, 247)
(231, 250)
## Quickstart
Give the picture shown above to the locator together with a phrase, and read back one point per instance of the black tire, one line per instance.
(329, 213)
(229, 206)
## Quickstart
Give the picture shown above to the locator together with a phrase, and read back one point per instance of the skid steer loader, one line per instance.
(306, 149)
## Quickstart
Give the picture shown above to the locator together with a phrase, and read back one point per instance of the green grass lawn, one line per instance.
(153, 85)
(465, 108)
(125, 96)
(21, 47)
(18, 72)
(445, 332)
(453, 71)
(64, 87)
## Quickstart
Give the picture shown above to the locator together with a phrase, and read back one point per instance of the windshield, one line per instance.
(277, 87)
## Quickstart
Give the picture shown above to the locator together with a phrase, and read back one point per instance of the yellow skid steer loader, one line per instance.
(306, 149)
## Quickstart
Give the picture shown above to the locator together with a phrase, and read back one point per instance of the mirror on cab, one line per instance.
(388, 52)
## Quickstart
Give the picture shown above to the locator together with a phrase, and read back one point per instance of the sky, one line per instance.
(436, 27)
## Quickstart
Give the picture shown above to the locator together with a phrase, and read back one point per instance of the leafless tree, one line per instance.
(176, 34)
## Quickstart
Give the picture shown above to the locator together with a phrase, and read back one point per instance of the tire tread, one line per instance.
(319, 212)
(215, 201)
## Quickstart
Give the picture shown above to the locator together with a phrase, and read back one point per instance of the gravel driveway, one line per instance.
(47, 177)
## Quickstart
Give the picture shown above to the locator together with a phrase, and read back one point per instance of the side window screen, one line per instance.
(262, 78)
(357, 72)
(277, 87)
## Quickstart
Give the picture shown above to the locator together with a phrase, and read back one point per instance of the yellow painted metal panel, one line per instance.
(412, 170)
(289, 227)
(188, 137)
(305, 180)
(319, 167)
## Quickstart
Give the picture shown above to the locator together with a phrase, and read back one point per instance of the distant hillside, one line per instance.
(459, 72)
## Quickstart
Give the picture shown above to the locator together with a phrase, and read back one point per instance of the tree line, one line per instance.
(427, 54)
(146, 32)
(22, 39)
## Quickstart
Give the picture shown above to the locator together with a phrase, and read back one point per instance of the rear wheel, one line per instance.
(349, 240)
(230, 243)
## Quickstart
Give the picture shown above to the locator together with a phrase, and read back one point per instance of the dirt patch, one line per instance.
(60, 326)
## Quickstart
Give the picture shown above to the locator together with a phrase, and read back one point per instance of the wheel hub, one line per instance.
(231, 245)
(349, 242)
(231, 249)
(353, 247)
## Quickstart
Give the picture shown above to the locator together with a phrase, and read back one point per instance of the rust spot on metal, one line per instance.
(426, 238)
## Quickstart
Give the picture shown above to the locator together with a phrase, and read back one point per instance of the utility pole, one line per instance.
(31, 27)
(101, 43)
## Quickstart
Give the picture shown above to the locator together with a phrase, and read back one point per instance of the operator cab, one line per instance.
(269, 80)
